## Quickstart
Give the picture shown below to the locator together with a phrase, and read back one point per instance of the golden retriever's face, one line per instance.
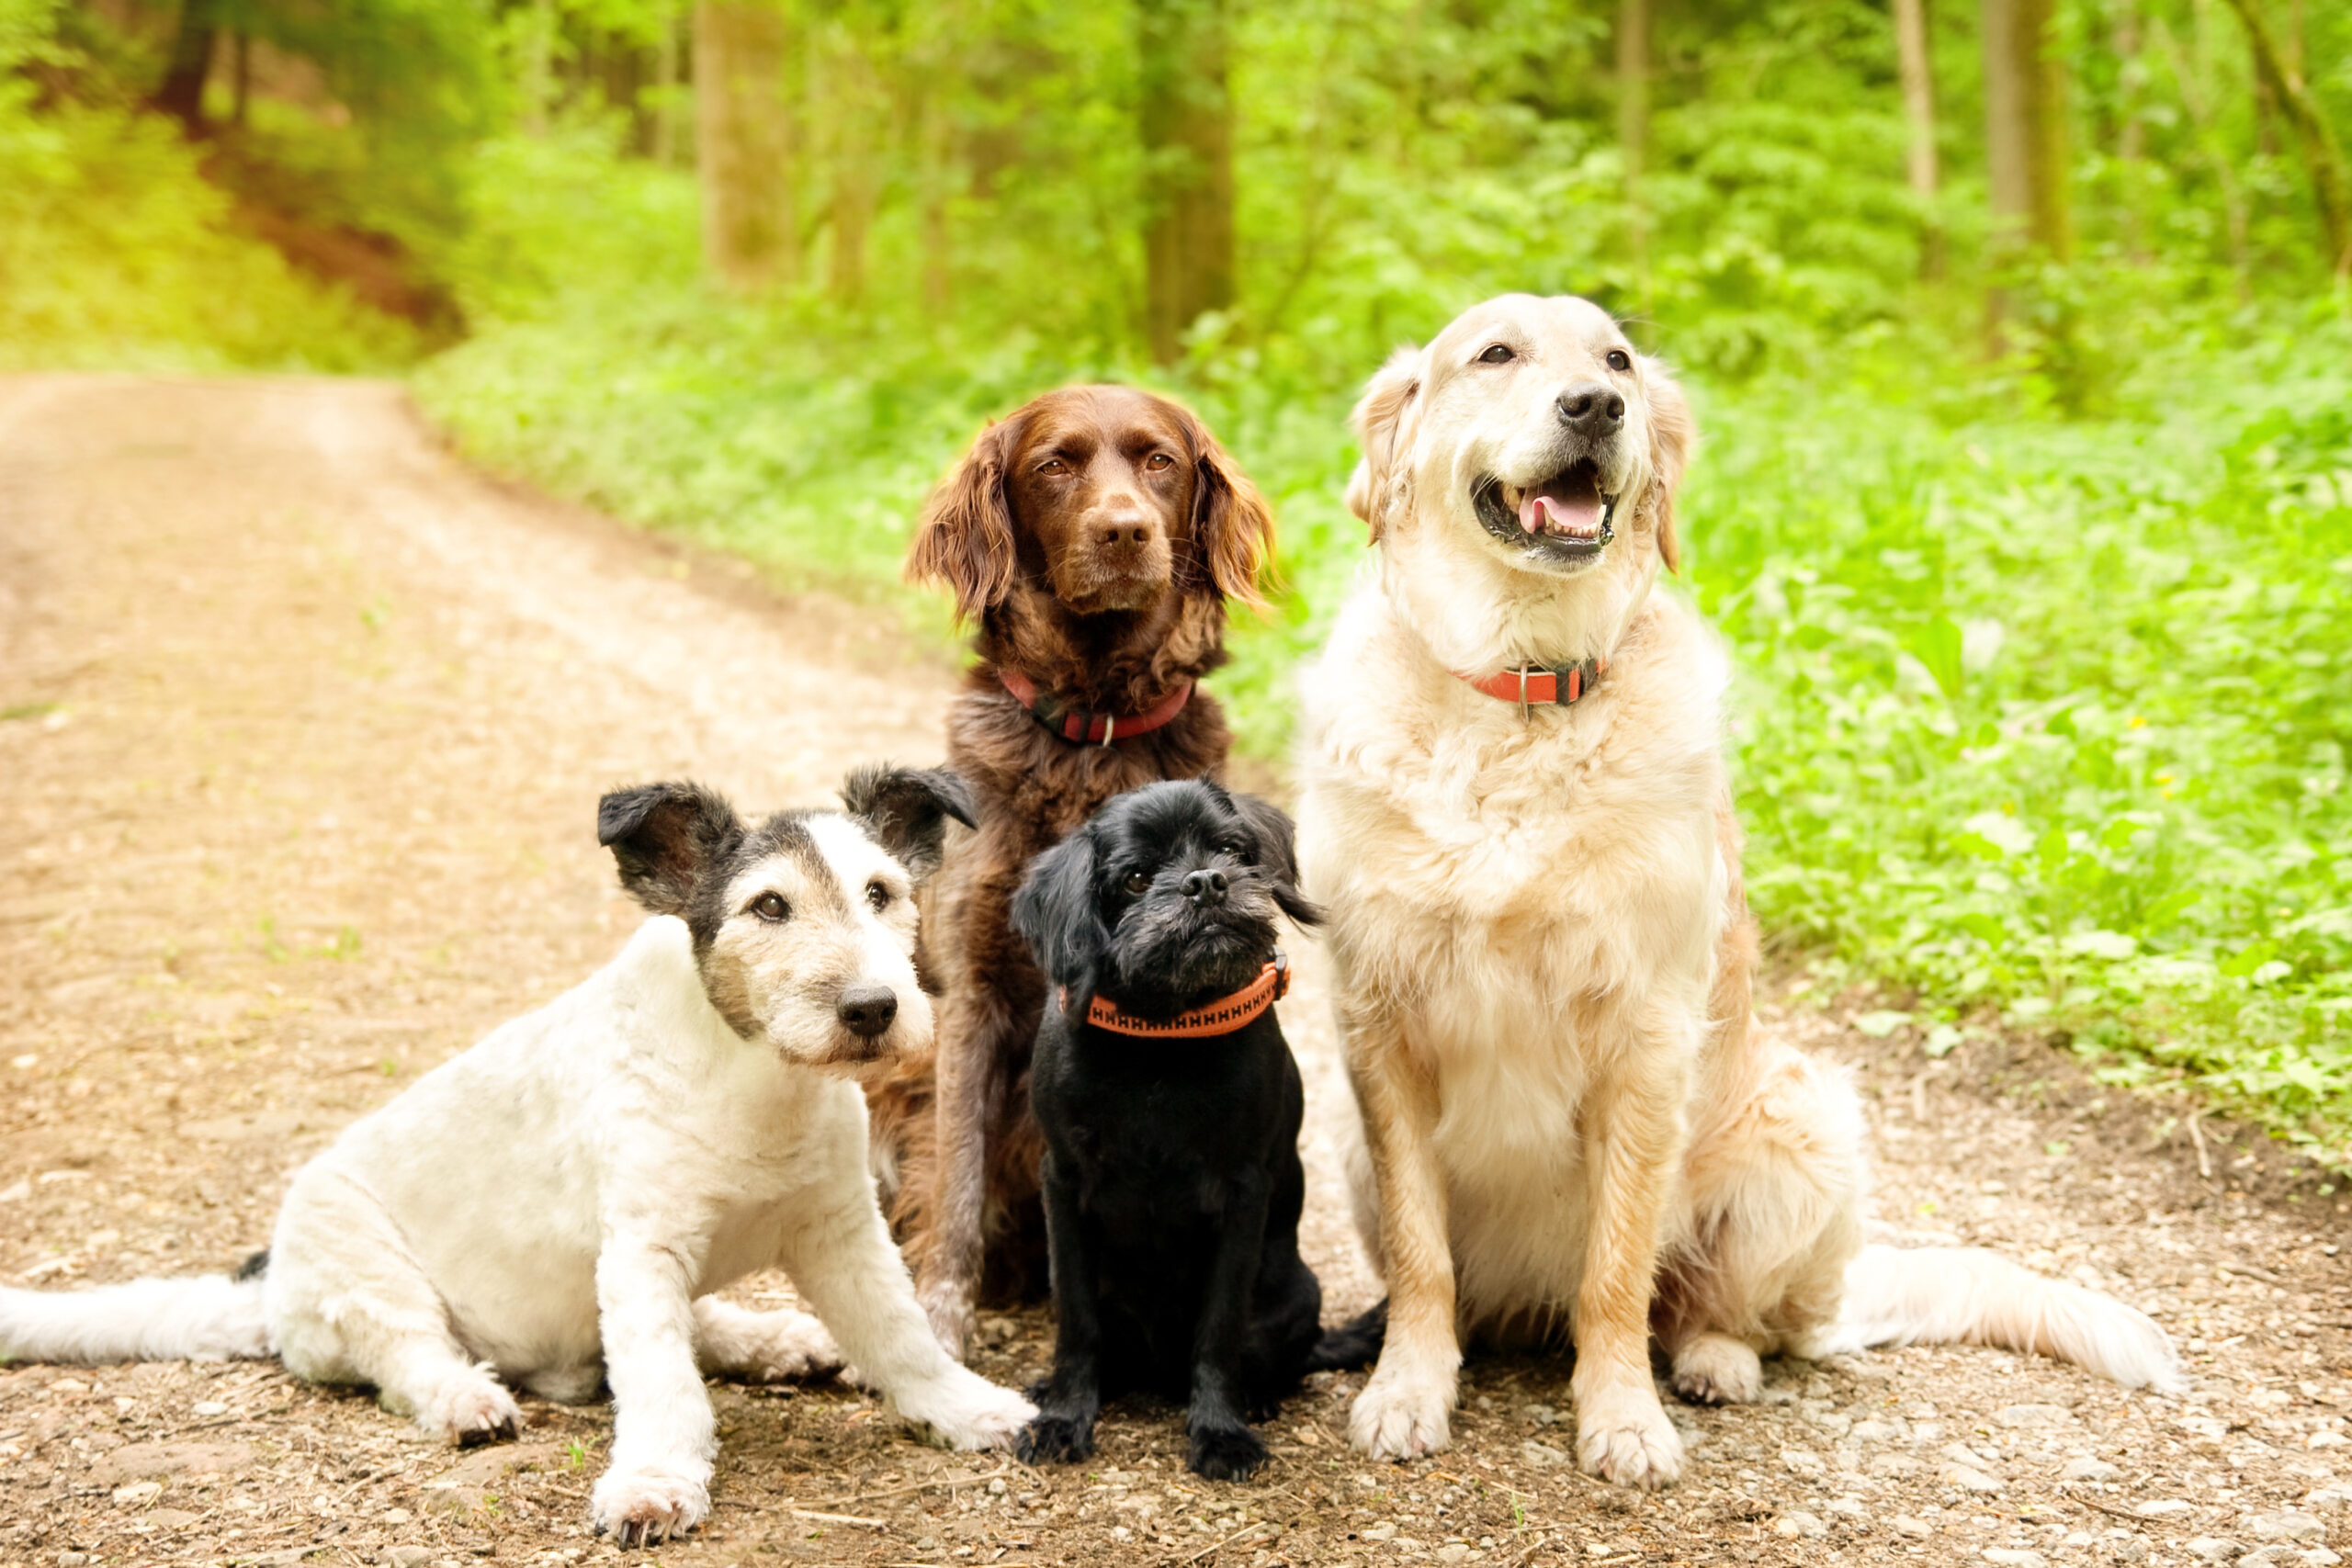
(1533, 427)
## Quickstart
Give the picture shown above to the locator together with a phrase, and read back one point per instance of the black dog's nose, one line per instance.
(1205, 887)
(1591, 408)
(867, 1009)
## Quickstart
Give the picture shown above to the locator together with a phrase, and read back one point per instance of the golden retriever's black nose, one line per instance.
(1591, 408)
(866, 1010)
(1204, 887)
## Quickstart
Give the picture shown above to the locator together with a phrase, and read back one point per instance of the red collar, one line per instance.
(1221, 1016)
(1534, 686)
(1077, 725)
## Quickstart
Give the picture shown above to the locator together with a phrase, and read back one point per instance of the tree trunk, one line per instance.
(181, 92)
(666, 103)
(2132, 135)
(743, 144)
(1633, 129)
(854, 125)
(1187, 124)
(1919, 114)
(2217, 156)
(2025, 125)
(2322, 155)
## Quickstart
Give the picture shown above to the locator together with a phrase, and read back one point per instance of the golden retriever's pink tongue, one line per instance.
(1577, 519)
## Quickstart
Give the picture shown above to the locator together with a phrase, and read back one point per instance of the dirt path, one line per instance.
(301, 730)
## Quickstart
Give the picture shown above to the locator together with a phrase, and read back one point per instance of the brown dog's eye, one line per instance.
(1053, 465)
(1157, 461)
(1498, 353)
(770, 907)
(1619, 360)
(1136, 881)
(878, 896)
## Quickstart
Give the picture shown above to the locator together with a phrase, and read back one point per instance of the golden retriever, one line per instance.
(1513, 805)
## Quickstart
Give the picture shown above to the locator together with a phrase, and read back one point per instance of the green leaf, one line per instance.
(1880, 1024)
(1937, 646)
(2051, 851)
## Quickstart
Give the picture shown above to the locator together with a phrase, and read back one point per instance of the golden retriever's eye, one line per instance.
(1157, 461)
(878, 896)
(1053, 465)
(1498, 353)
(1619, 360)
(1136, 881)
(771, 906)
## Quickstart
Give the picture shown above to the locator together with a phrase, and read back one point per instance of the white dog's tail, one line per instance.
(1965, 1295)
(212, 1317)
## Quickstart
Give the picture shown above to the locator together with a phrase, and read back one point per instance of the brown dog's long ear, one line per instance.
(1380, 427)
(964, 540)
(1674, 440)
(1232, 524)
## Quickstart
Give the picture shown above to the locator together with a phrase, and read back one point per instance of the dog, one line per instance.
(1095, 535)
(1171, 1108)
(1514, 812)
(553, 1207)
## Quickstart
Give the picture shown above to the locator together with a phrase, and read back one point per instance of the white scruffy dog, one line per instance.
(555, 1206)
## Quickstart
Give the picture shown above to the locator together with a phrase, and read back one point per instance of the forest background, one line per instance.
(2020, 332)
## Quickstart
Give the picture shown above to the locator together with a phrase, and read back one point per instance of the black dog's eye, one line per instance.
(1157, 461)
(771, 906)
(1136, 881)
(878, 896)
(1498, 353)
(1619, 360)
(1238, 848)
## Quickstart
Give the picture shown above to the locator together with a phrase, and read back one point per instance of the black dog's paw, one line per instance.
(1225, 1453)
(1053, 1438)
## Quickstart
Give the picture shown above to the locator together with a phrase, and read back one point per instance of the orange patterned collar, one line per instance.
(1221, 1016)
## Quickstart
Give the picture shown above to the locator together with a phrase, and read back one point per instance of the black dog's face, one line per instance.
(1166, 898)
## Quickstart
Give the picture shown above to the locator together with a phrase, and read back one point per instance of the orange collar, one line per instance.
(1539, 685)
(1221, 1016)
(1077, 725)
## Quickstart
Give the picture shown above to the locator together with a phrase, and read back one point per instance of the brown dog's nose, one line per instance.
(1123, 534)
(867, 1010)
(1589, 407)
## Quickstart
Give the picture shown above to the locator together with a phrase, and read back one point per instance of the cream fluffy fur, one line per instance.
(1543, 954)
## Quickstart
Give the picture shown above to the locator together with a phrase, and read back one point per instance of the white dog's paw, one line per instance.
(1622, 1435)
(647, 1504)
(952, 1316)
(469, 1408)
(967, 1411)
(1401, 1416)
(793, 1346)
(1716, 1369)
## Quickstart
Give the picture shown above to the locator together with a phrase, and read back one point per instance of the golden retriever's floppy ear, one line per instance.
(1674, 440)
(1232, 526)
(964, 540)
(1379, 420)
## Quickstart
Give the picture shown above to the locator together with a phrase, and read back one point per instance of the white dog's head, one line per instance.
(804, 923)
(1530, 431)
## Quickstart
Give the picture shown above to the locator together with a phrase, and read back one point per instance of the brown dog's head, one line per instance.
(1105, 496)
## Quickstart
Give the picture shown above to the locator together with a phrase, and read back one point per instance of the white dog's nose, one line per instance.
(867, 1010)
(1589, 407)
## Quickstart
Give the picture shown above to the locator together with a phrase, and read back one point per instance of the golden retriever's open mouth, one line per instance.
(1564, 517)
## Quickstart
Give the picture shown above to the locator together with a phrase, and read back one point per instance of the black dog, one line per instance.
(1171, 1108)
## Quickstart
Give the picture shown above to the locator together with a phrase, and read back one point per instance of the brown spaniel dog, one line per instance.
(1095, 535)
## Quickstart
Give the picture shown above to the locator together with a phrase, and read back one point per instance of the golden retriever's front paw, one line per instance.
(1401, 1416)
(1714, 1368)
(1624, 1438)
(645, 1505)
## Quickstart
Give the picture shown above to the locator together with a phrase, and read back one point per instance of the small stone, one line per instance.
(73, 1560)
(2085, 1468)
(2126, 1548)
(408, 1557)
(1799, 1524)
(2161, 1507)
(1454, 1553)
(2014, 1557)
(1969, 1479)
(2319, 1557)
(1542, 1414)
(209, 1407)
(1542, 1456)
(1917, 1529)
(1803, 1462)
(1851, 1508)
(2326, 1440)
(2326, 1499)
(2023, 1417)
(2289, 1526)
(397, 1515)
(2213, 1549)
(1874, 1431)
(1385, 1530)
(136, 1493)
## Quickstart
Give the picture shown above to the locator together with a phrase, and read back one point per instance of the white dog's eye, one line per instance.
(878, 896)
(1136, 881)
(771, 906)
(1619, 360)
(1498, 353)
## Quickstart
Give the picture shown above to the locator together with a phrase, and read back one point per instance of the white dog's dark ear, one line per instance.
(1674, 440)
(1380, 419)
(906, 810)
(663, 836)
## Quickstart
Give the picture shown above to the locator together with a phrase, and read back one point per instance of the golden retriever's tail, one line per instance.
(1965, 1295)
